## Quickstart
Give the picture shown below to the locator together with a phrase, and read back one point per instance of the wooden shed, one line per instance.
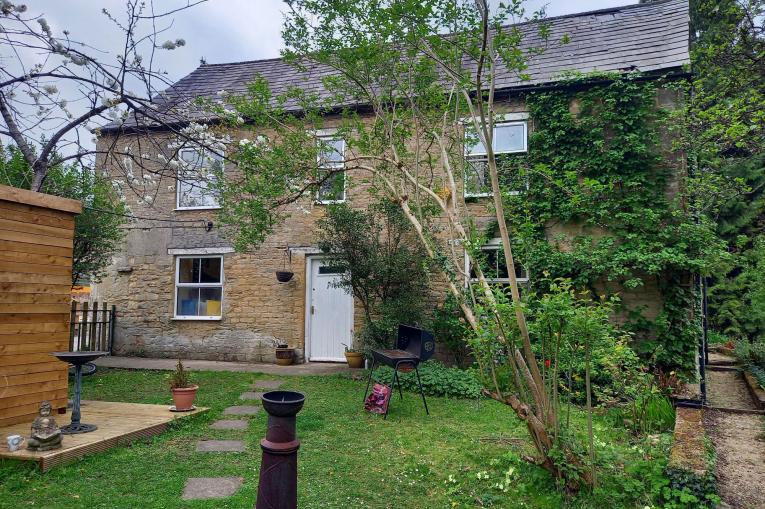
(36, 237)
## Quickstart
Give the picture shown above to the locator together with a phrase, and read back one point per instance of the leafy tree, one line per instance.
(419, 86)
(98, 232)
(71, 90)
(383, 267)
(724, 128)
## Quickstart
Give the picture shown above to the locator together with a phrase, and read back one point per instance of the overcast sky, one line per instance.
(218, 30)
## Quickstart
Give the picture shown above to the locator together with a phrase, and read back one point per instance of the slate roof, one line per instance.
(649, 37)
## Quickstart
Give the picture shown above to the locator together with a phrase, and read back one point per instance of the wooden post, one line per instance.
(83, 327)
(112, 318)
(93, 337)
(104, 321)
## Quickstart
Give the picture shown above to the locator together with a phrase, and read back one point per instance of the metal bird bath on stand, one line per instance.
(77, 359)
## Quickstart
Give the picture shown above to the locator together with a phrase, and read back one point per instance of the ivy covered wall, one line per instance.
(605, 205)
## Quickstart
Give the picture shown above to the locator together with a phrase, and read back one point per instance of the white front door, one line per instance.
(329, 313)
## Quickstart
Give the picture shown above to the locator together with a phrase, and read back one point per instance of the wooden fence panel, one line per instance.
(36, 235)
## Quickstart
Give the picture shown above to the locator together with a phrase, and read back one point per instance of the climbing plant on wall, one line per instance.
(598, 169)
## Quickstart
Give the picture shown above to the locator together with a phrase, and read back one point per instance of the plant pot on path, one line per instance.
(284, 355)
(355, 359)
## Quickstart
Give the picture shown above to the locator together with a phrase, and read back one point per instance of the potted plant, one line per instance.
(183, 390)
(355, 358)
(284, 354)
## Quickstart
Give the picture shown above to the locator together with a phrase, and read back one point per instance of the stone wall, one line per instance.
(257, 310)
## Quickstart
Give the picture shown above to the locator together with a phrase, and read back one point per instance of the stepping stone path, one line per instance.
(241, 410)
(229, 424)
(267, 384)
(201, 488)
(220, 446)
(252, 395)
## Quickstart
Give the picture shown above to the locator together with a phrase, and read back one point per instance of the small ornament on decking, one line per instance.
(277, 488)
(46, 435)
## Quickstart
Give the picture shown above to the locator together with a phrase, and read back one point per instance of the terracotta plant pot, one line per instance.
(355, 359)
(284, 276)
(284, 356)
(184, 397)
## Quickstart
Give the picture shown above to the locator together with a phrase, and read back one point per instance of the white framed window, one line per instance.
(510, 137)
(198, 287)
(494, 267)
(195, 174)
(331, 159)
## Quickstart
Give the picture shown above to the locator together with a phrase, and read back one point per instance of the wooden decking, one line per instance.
(118, 423)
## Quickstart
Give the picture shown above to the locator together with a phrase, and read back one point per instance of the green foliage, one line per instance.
(437, 380)
(596, 163)
(650, 412)
(179, 379)
(687, 490)
(751, 353)
(726, 113)
(724, 134)
(98, 231)
(449, 326)
(382, 266)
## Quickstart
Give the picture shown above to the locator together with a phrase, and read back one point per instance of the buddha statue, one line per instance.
(45, 433)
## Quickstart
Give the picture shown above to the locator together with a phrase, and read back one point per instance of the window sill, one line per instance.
(197, 318)
(196, 208)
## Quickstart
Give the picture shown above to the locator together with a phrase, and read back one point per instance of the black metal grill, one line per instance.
(413, 346)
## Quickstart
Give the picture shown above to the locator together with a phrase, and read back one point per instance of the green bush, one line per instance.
(751, 353)
(437, 380)
(651, 412)
(451, 329)
(687, 490)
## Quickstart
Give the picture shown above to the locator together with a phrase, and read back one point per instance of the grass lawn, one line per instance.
(465, 454)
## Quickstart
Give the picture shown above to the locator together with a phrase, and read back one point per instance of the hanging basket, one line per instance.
(284, 276)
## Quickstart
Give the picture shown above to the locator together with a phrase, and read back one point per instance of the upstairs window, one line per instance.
(509, 138)
(199, 287)
(195, 176)
(492, 260)
(331, 161)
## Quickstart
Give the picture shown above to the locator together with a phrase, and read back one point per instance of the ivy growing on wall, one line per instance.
(600, 164)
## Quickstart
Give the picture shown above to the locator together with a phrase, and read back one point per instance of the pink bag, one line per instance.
(377, 401)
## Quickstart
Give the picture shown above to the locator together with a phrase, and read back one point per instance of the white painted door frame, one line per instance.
(312, 264)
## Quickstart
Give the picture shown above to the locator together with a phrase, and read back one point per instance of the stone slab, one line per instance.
(220, 446)
(229, 424)
(201, 488)
(251, 395)
(241, 410)
(268, 384)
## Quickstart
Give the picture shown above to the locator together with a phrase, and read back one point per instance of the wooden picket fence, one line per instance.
(91, 327)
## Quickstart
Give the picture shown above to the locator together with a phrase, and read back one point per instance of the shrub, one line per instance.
(687, 490)
(380, 265)
(449, 326)
(751, 353)
(180, 377)
(437, 380)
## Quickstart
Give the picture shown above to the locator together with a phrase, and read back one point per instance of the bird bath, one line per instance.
(77, 359)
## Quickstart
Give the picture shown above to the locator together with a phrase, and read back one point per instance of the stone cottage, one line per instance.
(182, 291)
